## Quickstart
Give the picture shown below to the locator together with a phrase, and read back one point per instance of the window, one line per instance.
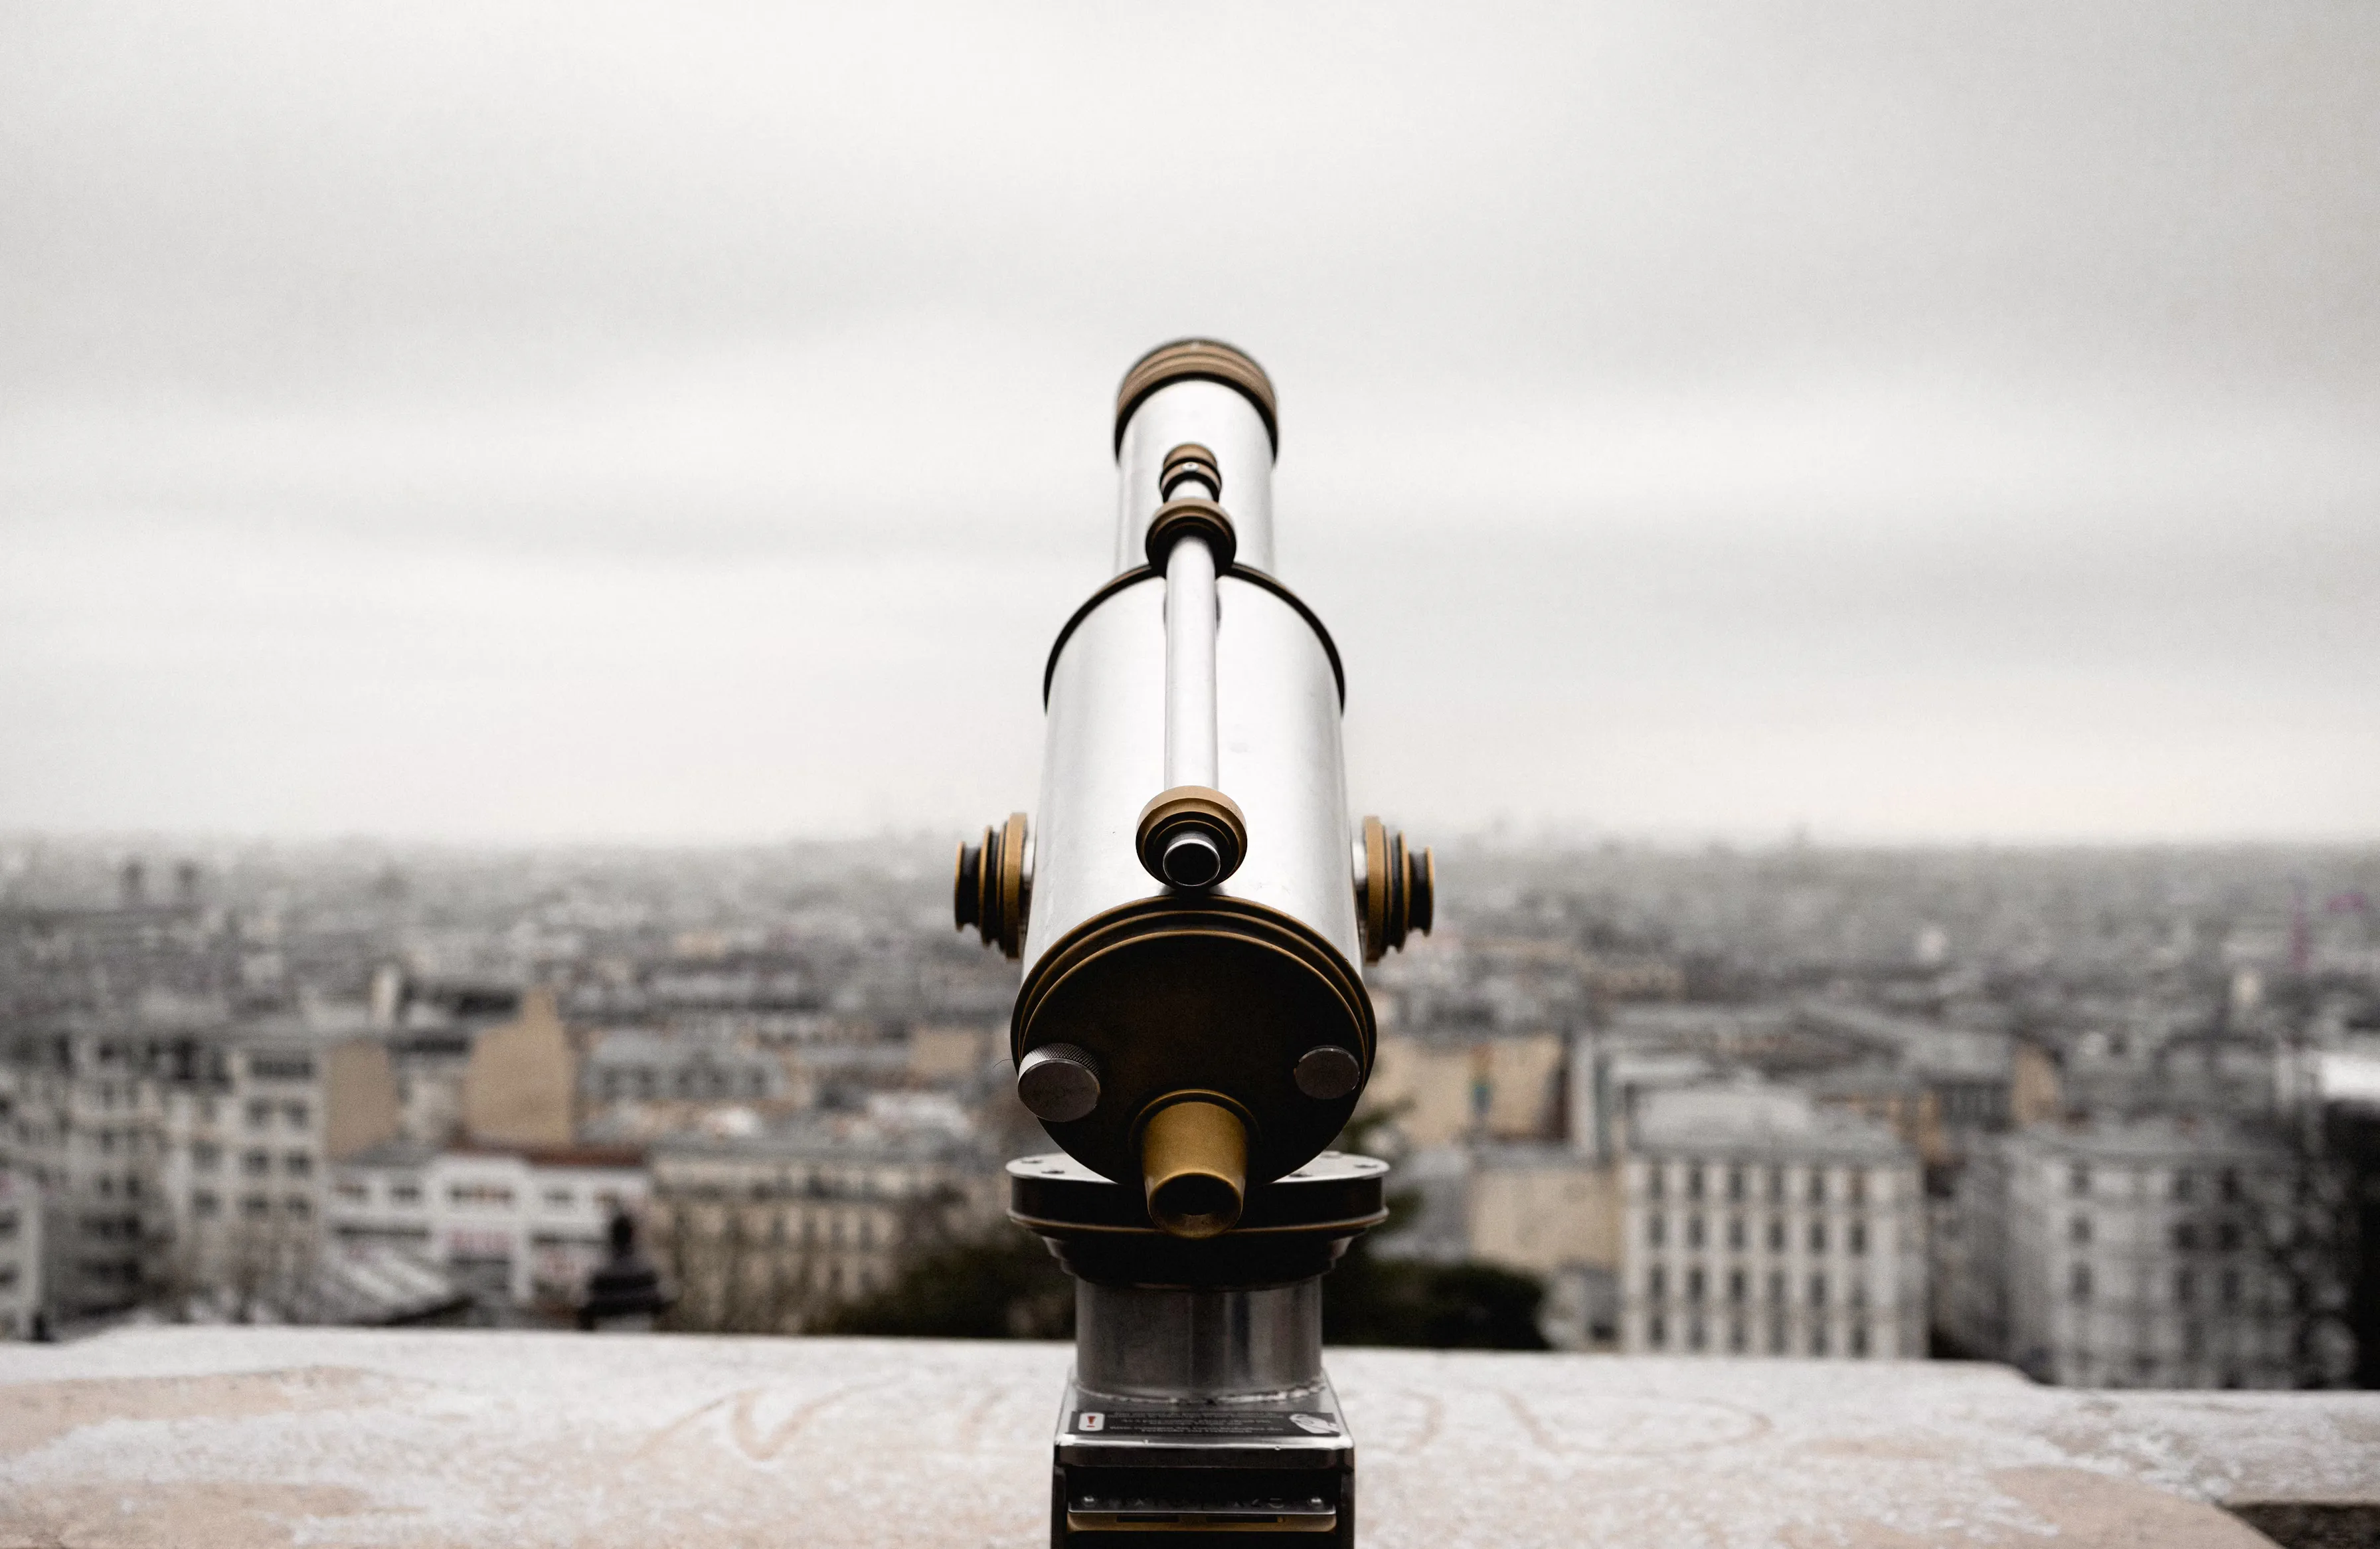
(1817, 1237)
(1656, 1331)
(298, 1163)
(299, 1206)
(1735, 1289)
(1735, 1233)
(560, 1198)
(1694, 1182)
(353, 1192)
(1777, 1333)
(259, 1113)
(2185, 1286)
(1656, 1231)
(2077, 1231)
(297, 1113)
(205, 1155)
(203, 1203)
(1818, 1186)
(1818, 1289)
(405, 1193)
(1695, 1333)
(7, 1226)
(1776, 1287)
(2078, 1179)
(2231, 1287)
(1735, 1335)
(1858, 1239)
(255, 1207)
(1735, 1183)
(1776, 1235)
(1859, 1339)
(2185, 1235)
(2185, 1185)
(2078, 1282)
(2226, 1235)
(1859, 1187)
(1776, 1183)
(1817, 1339)
(2228, 1183)
(1693, 1284)
(1693, 1231)
(256, 1164)
(1657, 1282)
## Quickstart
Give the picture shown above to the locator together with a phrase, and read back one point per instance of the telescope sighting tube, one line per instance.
(1193, 1019)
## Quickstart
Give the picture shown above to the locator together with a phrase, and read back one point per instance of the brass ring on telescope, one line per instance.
(1188, 517)
(1012, 885)
(1197, 360)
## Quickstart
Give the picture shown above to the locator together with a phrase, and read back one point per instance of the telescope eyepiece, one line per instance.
(1191, 837)
(1192, 858)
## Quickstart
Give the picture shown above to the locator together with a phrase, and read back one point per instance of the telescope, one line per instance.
(1191, 910)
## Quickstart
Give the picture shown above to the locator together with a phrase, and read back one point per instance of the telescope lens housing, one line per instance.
(1194, 1166)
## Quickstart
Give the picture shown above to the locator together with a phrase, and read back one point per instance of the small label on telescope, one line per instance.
(1201, 1422)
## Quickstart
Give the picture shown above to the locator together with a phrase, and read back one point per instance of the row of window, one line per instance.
(494, 1195)
(1737, 1334)
(255, 1207)
(2187, 1286)
(2224, 1236)
(1739, 1286)
(1741, 1181)
(2184, 1186)
(1657, 1233)
(206, 1157)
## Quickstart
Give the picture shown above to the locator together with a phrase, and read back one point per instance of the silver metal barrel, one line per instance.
(1147, 1342)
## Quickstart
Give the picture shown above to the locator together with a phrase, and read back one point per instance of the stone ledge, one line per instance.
(225, 1438)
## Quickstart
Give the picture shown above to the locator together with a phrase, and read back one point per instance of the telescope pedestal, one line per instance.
(1198, 1405)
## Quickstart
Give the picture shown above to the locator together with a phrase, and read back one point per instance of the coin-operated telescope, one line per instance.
(1193, 1028)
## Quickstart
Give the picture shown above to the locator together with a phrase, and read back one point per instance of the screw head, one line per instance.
(1326, 1071)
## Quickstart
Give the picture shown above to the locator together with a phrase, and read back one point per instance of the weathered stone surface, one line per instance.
(222, 1439)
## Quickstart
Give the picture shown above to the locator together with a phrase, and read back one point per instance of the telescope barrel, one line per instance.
(1191, 910)
(1190, 930)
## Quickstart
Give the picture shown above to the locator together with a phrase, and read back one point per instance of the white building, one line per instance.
(175, 1159)
(2129, 1254)
(529, 1225)
(21, 1255)
(1754, 1224)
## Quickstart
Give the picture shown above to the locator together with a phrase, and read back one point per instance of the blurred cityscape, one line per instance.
(2110, 1115)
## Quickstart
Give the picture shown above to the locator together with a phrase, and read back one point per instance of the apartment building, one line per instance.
(1753, 1223)
(2132, 1253)
(177, 1158)
(527, 1225)
(767, 1232)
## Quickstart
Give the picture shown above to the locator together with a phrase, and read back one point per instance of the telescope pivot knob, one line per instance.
(992, 885)
(1058, 1083)
(1396, 889)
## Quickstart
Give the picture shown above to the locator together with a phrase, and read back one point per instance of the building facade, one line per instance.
(769, 1233)
(2131, 1254)
(1754, 1225)
(527, 1225)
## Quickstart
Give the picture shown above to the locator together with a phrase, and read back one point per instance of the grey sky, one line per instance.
(1915, 421)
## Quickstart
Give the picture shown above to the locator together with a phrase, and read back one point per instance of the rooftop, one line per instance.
(227, 1438)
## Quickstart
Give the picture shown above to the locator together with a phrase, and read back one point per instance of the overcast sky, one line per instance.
(1918, 421)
